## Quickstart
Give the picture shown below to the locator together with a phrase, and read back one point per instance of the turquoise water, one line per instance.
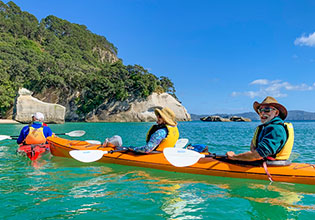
(62, 188)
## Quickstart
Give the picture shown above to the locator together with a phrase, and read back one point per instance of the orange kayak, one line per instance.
(295, 172)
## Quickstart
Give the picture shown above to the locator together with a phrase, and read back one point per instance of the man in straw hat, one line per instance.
(163, 134)
(273, 139)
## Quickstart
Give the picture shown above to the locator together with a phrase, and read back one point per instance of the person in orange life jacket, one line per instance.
(270, 137)
(36, 132)
(163, 134)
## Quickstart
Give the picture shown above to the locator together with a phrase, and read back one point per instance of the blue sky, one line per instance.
(221, 55)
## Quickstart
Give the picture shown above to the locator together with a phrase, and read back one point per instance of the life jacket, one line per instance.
(285, 152)
(171, 138)
(35, 135)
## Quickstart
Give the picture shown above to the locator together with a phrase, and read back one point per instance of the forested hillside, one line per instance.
(56, 55)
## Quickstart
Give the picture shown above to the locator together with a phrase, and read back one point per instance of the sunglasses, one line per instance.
(266, 109)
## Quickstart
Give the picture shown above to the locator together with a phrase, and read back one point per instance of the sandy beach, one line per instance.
(8, 121)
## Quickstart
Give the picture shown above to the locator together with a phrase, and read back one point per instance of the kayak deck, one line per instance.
(295, 173)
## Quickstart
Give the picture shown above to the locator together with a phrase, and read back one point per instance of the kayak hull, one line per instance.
(295, 173)
(33, 151)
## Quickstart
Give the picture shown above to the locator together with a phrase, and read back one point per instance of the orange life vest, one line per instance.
(35, 136)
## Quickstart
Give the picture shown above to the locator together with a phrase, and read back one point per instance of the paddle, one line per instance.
(293, 156)
(93, 142)
(185, 157)
(88, 156)
(181, 143)
(77, 133)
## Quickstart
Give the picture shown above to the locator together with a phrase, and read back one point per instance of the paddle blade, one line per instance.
(293, 156)
(87, 156)
(181, 143)
(181, 157)
(93, 142)
(3, 137)
(77, 133)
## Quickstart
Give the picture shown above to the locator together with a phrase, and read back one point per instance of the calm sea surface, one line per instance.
(61, 188)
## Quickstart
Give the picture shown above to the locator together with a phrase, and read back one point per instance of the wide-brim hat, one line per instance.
(273, 102)
(167, 114)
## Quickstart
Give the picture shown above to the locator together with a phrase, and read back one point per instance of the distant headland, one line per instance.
(292, 115)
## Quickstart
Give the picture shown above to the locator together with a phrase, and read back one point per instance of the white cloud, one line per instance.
(275, 88)
(306, 40)
(259, 82)
(235, 94)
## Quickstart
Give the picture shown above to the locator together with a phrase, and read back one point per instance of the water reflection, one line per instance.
(184, 198)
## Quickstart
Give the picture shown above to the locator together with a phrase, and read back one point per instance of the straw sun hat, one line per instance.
(273, 102)
(167, 114)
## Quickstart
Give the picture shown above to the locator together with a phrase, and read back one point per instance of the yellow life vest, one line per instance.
(285, 152)
(35, 136)
(170, 140)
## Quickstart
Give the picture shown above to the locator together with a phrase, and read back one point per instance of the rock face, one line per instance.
(218, 118)
(130, 110)
(138, 110)
(26, 105)
(237, 118)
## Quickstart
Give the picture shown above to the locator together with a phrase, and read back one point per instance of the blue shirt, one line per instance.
(25, 130)
(155, 139)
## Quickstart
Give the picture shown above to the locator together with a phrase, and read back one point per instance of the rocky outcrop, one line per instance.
(214, 118)
(26, 105)
(105, 55)
(130, 110)
(237, 119)
(138, 110)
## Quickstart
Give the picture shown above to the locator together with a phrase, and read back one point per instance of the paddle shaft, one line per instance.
(113, 151)
(214, 156)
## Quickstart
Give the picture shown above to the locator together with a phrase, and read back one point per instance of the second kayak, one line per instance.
(33, 151)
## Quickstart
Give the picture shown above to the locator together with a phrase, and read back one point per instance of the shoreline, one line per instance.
(8, 121)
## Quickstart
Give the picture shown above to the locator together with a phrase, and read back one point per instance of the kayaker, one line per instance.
(163, 134)
(36, 132)
(273, 139)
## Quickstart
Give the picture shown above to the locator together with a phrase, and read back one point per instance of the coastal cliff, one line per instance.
(133, 110)
(138, 110)
(64, 63)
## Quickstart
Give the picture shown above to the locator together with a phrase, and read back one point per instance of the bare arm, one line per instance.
(247, 156)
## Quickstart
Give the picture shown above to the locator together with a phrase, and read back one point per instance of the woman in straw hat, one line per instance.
(273, 139)
(163, 134)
